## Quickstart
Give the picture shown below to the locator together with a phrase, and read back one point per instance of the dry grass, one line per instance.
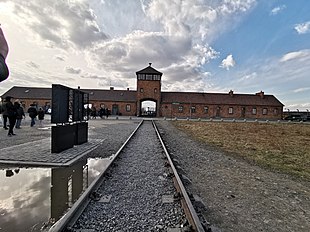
(282, 147)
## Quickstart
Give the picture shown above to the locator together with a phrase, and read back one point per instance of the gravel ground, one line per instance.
(239, 196)
(114, 132)
(136, 185)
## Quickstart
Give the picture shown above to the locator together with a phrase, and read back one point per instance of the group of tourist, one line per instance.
(13, 113)
(102, 112)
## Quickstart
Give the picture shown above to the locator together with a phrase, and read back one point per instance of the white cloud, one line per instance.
(33, 65)
(277, 10)
(303, 28)
(73, 70)
(60, 23)
(295, 55)
(228, 62)
(247, 77)
(299, 90)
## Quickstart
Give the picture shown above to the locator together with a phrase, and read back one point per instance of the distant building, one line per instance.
(167, 104)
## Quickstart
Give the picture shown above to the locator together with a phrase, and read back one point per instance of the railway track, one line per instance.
(140, 190)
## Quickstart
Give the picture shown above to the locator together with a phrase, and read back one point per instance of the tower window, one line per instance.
(127, 107)
(141, 76)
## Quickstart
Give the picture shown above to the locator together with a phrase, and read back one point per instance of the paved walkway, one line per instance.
(39, 153)
(32, 147)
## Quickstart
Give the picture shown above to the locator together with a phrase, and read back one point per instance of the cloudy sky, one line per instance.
(200, 45)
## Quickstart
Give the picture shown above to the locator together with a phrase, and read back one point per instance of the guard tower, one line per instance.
(148, 88)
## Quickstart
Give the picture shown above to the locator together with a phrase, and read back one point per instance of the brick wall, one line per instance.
(121, 106)
(148, 90)
(219, 111)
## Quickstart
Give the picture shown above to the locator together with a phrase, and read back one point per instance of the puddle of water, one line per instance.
(31, 197)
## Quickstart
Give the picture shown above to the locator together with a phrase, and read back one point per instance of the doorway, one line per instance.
(148, 108)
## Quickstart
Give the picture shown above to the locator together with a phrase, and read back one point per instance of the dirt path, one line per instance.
(240, 196)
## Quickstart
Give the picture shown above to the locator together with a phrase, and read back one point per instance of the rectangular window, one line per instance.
(230, 110)
(254, 111)
(127, 107)
(275, 111)
(149, 77)
(180, 109)
(265, 111)
(193, 109)
(206, 109)
(141, 76)
(156, 77)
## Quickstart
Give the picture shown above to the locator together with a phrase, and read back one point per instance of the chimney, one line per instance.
(111, 88)
(261, 94)
(231, 93)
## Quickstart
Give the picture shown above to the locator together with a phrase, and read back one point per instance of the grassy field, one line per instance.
(277, 146)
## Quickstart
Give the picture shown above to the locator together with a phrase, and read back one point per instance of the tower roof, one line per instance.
(149, 70)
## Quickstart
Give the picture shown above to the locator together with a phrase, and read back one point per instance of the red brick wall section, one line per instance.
(121, 107)
(148, 92)
(170, 110)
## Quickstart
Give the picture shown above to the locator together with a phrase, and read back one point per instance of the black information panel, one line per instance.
(60, 104)
(69, 113)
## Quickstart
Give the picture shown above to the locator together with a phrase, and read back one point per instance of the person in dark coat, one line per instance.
(20, 114)
(12, 113)
(32, 111)
(5, 116)
(41, 116)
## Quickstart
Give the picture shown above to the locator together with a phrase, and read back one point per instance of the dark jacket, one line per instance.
(19, 110)
(11, 109)
(32, 112)
(41, 114)
(4, 110)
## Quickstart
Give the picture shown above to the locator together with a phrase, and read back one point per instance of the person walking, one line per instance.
(41, 116)
(12, 113)
(20, 114)
(5, 116)
(32, 111)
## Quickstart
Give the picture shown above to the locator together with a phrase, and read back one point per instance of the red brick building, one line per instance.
(167, 104)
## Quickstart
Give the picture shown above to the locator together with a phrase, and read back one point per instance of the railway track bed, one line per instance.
(136, 193)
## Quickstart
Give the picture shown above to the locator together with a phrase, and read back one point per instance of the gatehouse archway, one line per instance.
(148, 108)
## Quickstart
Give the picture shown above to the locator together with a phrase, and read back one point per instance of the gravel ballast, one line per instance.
(137, 187)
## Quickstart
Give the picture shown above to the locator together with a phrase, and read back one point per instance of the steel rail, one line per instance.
(78, 207)
(189, 211)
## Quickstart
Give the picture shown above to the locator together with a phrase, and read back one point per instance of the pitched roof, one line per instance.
(94, 94)
(111, 95)
(29, 92)
(219, 98)
(149, 70)
(167, 97)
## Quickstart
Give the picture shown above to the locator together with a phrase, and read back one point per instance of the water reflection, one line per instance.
(30, 197)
